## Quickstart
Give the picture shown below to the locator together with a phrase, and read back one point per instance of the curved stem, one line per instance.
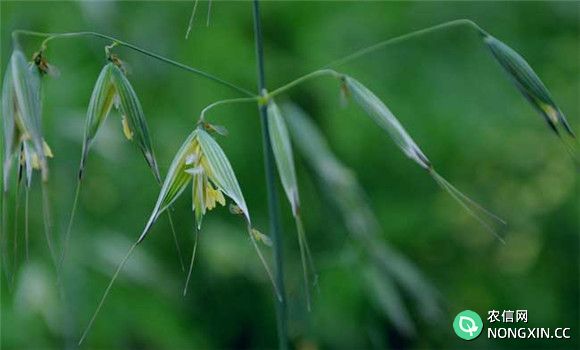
(52, 36)
(300, 80)
(370, 49)
(223, 102)
(404, 37)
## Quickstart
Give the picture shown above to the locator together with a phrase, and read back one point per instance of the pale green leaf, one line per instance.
(131, 108)
(100, 105)
(175, 182)
(282, 149)
(222, 174)
(528, 83)
(377, 110)
(26, 84)
(8, 119)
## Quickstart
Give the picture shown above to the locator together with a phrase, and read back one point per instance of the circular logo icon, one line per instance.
(467, 325)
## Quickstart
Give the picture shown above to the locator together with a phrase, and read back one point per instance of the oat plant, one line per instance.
(201, 168)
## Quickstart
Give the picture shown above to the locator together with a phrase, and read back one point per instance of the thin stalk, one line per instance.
(264, 262)
(15, 228)
(190, 24)
(325, 70)
(195, 239)
(302, 79)
(306, 258)
(52, 36)
(404, 37)
(273, 210)
(48, 226)
(208, 13)
(107, 291)
(224, 102)
(175, 241)
(69, 226)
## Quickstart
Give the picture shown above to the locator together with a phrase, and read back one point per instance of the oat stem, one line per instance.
(370, 49)
(175, 241)
(404, 37)
(190, 24)
(223, 102)
(52, 36)
(195, 239)
(106, 293)
(69, 226)
(273, 211)
(48, 225)
(302, 79)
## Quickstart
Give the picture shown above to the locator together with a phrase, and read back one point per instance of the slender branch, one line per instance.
(224, 102)
(404, 37)
(52, 36)
(302, 79)
(270, 171)
(370, 49)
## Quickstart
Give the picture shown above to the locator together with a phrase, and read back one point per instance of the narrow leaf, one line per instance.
(528, 83)
(222, 173)
(135, 118)
(377, 110)
(383, 116)
(100, 105)
(175, 182)
(282, 149)
(8, 118)
(27, 92)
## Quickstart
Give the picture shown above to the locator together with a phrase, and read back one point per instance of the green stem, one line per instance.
(52, 36)
(224, 102)
(273, 210)
(370, 49)
(404, 37)
(302, 79)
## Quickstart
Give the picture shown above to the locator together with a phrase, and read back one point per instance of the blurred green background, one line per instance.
(445, 88)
